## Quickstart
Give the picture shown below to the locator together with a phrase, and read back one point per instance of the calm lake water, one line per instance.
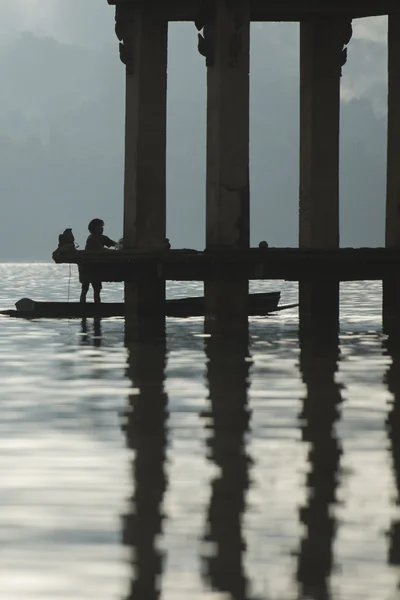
(198, 468)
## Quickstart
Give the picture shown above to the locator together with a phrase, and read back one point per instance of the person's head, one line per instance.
(96, 226)
(68, 236)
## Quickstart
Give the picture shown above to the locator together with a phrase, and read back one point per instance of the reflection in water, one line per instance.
(392, 345)
(227, 374)
(64, 473)
(145, 429)
(319, 355)
(96, 337)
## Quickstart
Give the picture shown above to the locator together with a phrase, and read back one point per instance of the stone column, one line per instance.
(143, 34)
(391, 287)
(322, 54)
(225, 44)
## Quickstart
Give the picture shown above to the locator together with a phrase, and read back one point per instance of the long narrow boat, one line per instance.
(259, 304)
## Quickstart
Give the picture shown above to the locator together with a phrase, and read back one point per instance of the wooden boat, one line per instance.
(259, 304)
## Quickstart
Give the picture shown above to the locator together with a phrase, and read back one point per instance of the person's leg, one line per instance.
(96, 291)
(85, 289)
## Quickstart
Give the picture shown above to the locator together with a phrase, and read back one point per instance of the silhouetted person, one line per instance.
(66, 243)
(66, 240)
(96, 241)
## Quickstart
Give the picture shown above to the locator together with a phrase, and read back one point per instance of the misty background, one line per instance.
(62, 129)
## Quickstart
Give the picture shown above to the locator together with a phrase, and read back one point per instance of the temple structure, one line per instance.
(222, 28)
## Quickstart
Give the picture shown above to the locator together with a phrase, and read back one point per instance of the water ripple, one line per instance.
(257, 467)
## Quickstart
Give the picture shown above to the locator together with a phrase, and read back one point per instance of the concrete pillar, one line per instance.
(321, 56)
(391, 287)
(143, 34)
(227, 50)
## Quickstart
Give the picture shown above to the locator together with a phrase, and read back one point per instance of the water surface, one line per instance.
(259, 467)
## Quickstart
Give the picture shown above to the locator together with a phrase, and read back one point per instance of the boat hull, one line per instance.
(259, 304)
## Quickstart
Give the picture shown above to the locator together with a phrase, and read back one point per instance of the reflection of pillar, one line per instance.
(227, 374)
(391, 287)
(393, 429)
(319, 354)
(142, 32)
(321, 57)
(145, 429)
(226, 45)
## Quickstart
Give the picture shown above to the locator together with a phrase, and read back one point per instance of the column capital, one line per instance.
(124, 18)
(236, 14)
(127, 13)
(345, 34)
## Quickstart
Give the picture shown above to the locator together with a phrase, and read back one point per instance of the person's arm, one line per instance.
(108, 241)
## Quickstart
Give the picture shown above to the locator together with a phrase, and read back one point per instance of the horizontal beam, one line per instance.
(298, 10)
(292, 264)
(278, 10)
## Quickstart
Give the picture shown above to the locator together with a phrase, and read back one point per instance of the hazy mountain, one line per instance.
(61, 138)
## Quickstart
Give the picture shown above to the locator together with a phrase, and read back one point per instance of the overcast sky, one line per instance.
(84, 21)
(87, 22)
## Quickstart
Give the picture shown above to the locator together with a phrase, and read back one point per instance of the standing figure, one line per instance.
(96, 241)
